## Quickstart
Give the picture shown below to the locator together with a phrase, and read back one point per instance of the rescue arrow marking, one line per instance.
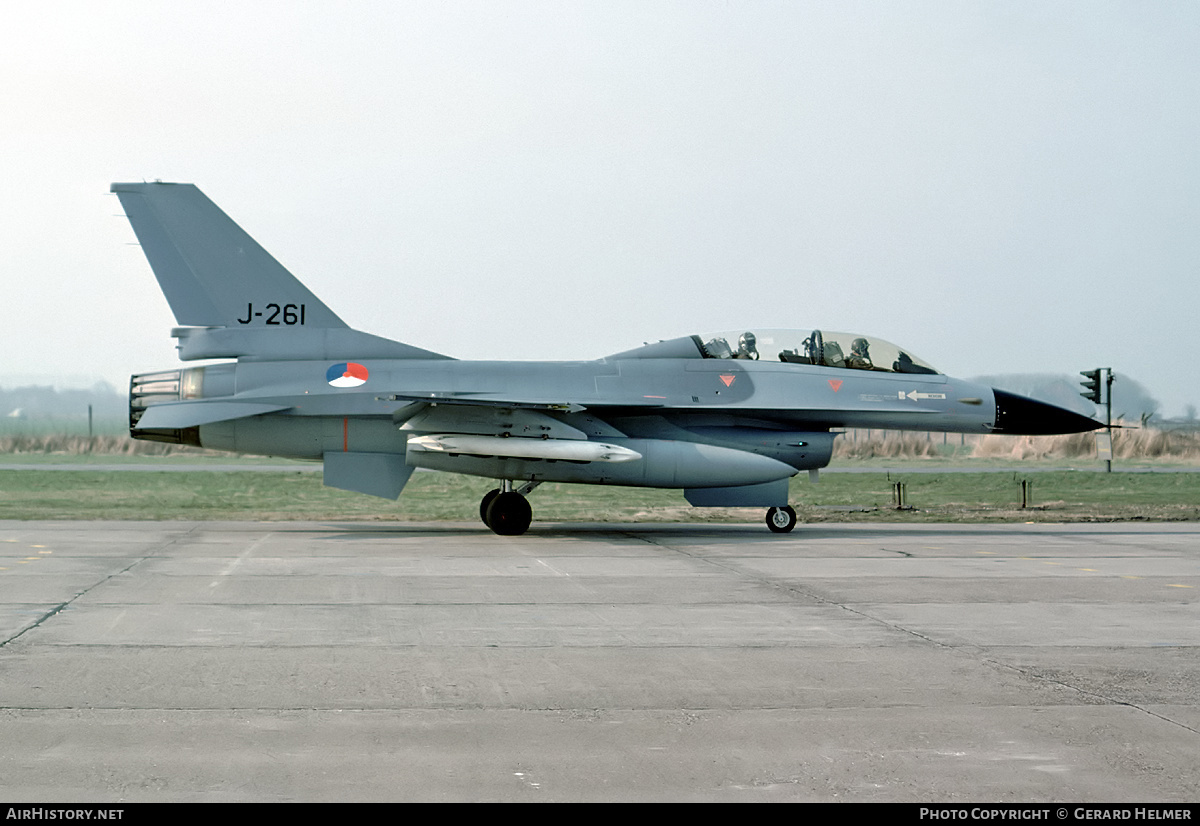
(914, 395)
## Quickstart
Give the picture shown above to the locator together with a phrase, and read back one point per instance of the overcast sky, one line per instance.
(1001, 187)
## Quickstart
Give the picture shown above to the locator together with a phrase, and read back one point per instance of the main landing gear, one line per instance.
(507, 511)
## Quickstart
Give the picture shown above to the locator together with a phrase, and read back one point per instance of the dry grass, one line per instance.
(120, 445)
(1130, 444)
(1134, 444)
(889, 445)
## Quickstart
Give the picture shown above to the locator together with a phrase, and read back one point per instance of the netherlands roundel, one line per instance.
(346, 374)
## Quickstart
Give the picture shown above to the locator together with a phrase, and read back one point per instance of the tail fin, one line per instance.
(233, 299)
(212, 273)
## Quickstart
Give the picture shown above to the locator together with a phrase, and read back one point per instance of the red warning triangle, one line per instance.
(728, 380)
(836, 384)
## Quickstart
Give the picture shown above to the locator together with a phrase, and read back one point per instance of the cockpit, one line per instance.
(825, 348)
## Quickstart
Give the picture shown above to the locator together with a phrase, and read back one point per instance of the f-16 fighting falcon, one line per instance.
(728, 417)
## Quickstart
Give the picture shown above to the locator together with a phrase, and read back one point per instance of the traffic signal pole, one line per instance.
(1092, 393)
(1108, 419)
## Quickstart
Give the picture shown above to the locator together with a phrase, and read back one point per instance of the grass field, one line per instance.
(72, 477)
(952, 496)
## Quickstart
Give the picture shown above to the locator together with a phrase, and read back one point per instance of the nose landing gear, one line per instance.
(781, 520)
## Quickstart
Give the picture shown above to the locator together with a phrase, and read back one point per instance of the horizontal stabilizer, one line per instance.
(178, 415)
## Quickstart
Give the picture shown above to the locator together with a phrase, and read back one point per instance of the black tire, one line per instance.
(483, 504)
(781, 520)
(509, 514)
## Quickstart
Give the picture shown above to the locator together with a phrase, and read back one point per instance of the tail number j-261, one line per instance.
(288, 314)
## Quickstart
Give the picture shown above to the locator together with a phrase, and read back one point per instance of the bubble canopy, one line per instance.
(823, 348)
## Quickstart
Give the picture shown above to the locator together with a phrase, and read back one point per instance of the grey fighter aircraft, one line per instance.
(728, 417)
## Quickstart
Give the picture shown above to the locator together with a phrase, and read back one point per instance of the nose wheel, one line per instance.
(781, 520)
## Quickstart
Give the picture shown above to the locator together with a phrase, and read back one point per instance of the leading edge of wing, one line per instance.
(484, 400)
(471, 400)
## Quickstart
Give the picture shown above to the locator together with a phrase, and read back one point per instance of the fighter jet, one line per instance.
(728, 417)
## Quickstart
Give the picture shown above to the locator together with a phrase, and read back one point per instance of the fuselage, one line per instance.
(773, 410)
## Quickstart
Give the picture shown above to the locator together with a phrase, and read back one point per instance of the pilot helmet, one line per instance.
(859, 346)
(747, 342)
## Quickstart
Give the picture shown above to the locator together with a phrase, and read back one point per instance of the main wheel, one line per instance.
(509, 514)
(483, 504)
(781, 520)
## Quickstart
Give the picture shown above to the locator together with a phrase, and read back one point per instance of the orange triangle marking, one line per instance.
(836, 384)
(728, 380)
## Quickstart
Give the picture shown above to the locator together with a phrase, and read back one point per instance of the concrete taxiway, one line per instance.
(180, 661)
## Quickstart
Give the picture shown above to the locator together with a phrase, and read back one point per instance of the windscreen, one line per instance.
(825, 348)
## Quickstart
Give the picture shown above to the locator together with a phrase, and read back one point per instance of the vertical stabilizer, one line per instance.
(212, 273)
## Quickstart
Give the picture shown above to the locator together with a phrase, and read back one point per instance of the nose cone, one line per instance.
(1019, 416)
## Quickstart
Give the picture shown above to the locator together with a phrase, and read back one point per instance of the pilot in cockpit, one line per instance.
(860, 355)
(747, 346)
